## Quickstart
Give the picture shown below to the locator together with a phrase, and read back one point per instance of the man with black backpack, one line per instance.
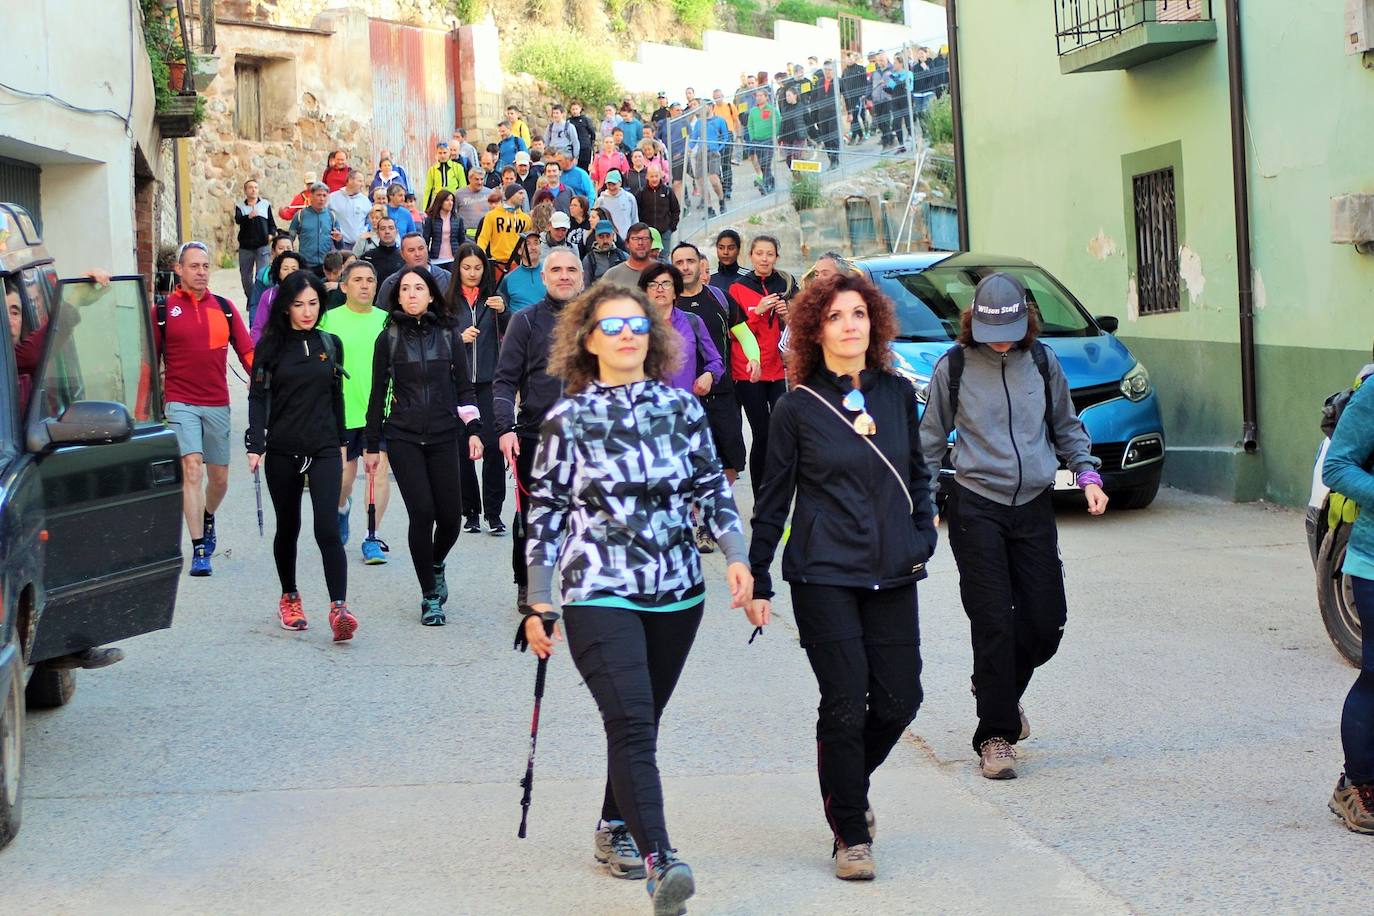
(193, 331)
(1006, 395)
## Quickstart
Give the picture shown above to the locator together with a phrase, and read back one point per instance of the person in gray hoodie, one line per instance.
(1007, 397)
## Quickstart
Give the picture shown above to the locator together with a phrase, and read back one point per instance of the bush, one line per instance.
(468, 11)
(939, 121)
(806, 192)
(570, 63)
(695, 14)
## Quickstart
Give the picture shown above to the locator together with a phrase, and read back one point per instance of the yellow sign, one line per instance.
(805, 165)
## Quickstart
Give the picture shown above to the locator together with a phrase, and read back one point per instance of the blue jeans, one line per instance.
(1357, 719)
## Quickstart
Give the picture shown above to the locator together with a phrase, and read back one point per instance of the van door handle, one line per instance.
(163, 472)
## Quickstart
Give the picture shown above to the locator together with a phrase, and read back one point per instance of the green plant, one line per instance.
(571, 63)
(164, 45)
(939, 121)
(806, 192)
(695, 14)
(226, 260)
(755, 220)
(468, 11)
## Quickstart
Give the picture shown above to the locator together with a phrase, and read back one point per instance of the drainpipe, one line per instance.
(957, 111)
(1240, 178)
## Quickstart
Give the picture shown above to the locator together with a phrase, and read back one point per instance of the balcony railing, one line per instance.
(1079, 23)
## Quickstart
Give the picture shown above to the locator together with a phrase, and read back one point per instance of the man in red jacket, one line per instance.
(299, 202)
(193, 332)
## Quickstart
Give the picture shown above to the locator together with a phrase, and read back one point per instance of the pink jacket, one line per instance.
(602, 163)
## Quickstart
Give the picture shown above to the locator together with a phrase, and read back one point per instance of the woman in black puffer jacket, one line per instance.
(422, 402)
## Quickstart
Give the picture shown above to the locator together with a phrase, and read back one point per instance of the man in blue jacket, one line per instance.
(315, 229)
(524, 285)
(507, 146)
(717, 134)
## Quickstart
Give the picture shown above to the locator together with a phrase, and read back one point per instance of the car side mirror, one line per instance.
(83, 423)
(1108, 323)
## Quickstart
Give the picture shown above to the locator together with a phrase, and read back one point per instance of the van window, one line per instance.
(105, 353)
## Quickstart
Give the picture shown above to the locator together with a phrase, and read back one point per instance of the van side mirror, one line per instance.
(1108, 323)
(83, 423)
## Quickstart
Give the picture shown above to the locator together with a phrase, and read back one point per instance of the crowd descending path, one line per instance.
(1185, 744)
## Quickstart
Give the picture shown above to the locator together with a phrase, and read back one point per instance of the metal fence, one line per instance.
(1079, 23)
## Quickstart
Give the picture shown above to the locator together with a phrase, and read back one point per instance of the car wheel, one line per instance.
(1336, 597)
(50, 687)
(12, 754)
(1135, 497)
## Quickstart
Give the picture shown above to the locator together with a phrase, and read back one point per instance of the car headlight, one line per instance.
(919, 382)
(1135, 384)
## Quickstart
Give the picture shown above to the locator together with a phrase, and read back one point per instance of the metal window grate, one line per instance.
(1156, 242)
(1079, 23)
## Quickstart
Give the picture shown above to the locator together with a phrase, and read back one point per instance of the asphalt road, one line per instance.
(1185, 743)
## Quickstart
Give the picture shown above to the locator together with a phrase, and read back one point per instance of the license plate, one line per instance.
(1063, 480)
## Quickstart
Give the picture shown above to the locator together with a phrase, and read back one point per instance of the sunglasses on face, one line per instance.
(611, 327)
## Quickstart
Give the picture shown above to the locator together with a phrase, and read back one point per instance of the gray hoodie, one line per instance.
(1003, 451)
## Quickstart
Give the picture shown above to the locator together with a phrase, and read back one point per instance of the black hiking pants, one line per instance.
(1011, 581)
(286, 476)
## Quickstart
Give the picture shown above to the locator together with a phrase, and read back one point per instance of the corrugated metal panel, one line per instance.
(412, 93)
(19, 185)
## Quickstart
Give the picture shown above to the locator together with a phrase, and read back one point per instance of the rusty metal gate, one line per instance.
(413, 93)
(851, 33)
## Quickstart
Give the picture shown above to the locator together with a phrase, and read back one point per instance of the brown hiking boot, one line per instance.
(1354, 805)
(1025, 723)
(998, 759)
(855, 863)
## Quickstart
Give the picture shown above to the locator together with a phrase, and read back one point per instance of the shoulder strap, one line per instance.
(720, 299)
(162, 319)
(910, 506)
(955, 355)
(1042, 362)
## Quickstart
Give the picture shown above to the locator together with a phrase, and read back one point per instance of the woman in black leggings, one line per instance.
(296, 419)
(482, 318)
(621, 461)
(846, 440)
(422, 403)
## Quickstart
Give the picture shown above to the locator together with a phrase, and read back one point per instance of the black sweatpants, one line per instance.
(286, 476)
(427, 476)
(865, 649)
(631, 661)
(524, 464)
(757, 399)
(492, 495)
(1011, 581)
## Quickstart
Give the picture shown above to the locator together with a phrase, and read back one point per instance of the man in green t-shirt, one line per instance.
(357, 324)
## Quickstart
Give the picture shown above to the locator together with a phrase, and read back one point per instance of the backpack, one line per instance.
(331, 350)
(224, 307)
(955, 355)
(1334, 406)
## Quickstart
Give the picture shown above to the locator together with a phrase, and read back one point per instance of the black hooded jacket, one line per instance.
(523, 369)
(417, 392)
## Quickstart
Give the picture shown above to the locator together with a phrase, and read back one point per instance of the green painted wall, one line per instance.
(1044, 155)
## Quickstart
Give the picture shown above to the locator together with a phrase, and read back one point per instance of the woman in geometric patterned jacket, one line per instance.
(621, 461)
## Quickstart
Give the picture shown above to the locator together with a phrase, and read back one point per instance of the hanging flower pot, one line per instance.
(176, 75)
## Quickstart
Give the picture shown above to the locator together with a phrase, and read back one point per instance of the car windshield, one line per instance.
(929, 302)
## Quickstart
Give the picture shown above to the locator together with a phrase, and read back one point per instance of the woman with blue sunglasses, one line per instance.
(621, 461)
(845, 442)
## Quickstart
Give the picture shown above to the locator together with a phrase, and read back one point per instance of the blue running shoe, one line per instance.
(373, 549)
(343, 521)
(200, 562)
(211, 541)
(670, 883)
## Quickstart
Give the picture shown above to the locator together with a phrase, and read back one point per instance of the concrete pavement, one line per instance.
(1185, 743)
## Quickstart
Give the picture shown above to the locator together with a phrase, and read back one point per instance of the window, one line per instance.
(248, 100)
(1156, 241)
(104, 353)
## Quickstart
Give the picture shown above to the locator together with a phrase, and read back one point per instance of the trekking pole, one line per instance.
(257, 491)
(548, 618)
(518, 525)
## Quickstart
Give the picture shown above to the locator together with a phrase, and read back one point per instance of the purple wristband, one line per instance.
(1089, 478)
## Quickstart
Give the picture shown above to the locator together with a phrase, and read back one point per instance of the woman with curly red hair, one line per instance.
(845, 441)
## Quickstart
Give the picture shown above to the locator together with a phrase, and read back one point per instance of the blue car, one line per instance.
(1111, 389)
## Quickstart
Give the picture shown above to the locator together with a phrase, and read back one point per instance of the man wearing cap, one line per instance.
(315, 229)
(524, 285)
(560, 134)
(503, 226)
(560, 224)
(444, 175)
(300, 201)
(1007, 396)
(639, 241)
(604, 255)
(619, 203)
(658, 205)
(525, 175)
(660, 114)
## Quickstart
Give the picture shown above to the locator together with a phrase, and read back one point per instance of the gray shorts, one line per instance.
(203, 430)
(712, 163)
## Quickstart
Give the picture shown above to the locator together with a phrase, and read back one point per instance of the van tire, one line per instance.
(1334, 596)
(1130, 498)
(12, 754)
(50, 687)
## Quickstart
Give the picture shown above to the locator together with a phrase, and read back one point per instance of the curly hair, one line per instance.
(806, 314)
(569, 358)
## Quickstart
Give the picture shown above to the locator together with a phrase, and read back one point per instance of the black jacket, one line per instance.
(659, 207)
(457, 234)
(428, 381)
(521, 370)
(587, 144)
(854, 524)
(385, 258)
(295, 402)
(257, 226)
(482, 353)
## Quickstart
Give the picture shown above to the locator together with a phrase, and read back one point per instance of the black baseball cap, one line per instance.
(1001, 313)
